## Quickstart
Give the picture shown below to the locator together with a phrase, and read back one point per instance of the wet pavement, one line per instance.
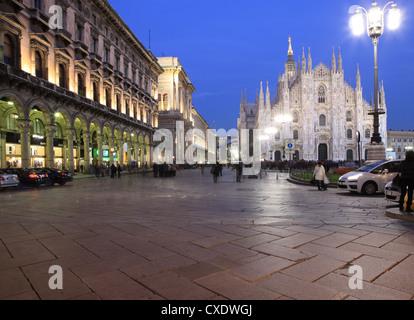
(186, 238)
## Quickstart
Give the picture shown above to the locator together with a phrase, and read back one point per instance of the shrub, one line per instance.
(342, 171)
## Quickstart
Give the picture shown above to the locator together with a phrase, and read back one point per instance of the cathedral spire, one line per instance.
(358, 78)
(290, 50)
(339, 61)
(303, 60)
(309, 61)
(267, 96)
(333, 61)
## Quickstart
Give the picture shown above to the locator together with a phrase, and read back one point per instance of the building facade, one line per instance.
(316, 110)
(399, 142)
(77, 87)
(175, 104)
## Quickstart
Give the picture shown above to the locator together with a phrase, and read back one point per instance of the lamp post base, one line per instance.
(376, 152)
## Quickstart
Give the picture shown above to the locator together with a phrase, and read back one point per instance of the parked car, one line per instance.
(8, 180)
(43, 175)
(60, 177)
(392, 192)
(26, 176)
(370, 178)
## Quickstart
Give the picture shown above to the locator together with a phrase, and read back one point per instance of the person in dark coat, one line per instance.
(215, 171)
(119, 170)
(407, 180)
(155, 168)
(113, 171)
(239, 171)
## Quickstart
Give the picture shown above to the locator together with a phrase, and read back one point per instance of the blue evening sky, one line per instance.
(230, 46)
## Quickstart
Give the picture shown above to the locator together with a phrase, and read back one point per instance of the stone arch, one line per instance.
(18, 103)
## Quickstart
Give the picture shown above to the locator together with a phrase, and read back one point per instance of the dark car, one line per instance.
(43, 175)
(26, 176)
(60, 177)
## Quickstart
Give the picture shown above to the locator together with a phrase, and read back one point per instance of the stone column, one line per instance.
(111, 154)
(70, 162)
(120, 152)
(99, 140)
(3, 150)
(86, 140)
(50, 157)
(24, 129)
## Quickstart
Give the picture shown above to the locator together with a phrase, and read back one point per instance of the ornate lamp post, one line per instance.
(375, 28)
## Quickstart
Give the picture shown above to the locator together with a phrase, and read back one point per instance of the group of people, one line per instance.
(164, 170)
(217, 171)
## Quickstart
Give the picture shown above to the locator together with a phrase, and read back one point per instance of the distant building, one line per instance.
(400, 142)
(326, 113)
(175, 102)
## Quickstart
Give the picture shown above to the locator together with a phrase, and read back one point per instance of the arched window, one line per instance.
(81, 85)
(8, 51)
(295, 134)
(321, 94)
(118, 103)
(349, 134)
(38, 128)
(58, 132)
(11, 123)
(127, 108)
(350, 155)
(108, 97)
(277, 136)
(322, 120)
(295, 117)
(367, 133)
(62, 76)
(95, 91)
(348, 116)
(39, 65)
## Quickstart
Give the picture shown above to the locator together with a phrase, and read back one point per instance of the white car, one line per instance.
(370, 178)
(8, 180)
(392, 192)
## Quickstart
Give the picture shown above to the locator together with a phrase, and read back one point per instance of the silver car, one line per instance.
(8, 180)
(370, 178)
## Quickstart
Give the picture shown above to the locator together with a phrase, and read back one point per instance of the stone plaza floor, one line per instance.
(186, 238)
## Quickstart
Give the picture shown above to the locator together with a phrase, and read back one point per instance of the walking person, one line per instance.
(319, 174)
(155, 168)
(119, 171)
(407, 180)
(215, 171)
(239, 171)
(113, 171)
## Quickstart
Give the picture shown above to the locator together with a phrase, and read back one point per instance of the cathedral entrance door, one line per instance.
(323, 152)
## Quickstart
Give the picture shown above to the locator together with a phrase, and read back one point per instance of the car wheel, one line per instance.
(369, 188)
(62, 183)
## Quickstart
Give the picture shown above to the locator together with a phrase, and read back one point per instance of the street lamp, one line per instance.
(375, 28)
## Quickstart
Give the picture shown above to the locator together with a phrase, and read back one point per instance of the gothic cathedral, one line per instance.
(317, 110)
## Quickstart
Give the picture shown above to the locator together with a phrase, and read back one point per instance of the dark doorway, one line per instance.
(323, 152)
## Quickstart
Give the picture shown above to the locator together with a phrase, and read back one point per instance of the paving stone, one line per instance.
(296, 240)
(375, 239)
(234, 288)
(313, 268)
(261, 268)
(299, 289)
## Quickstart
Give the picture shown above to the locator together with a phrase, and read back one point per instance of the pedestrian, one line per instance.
(97, 171)
(155, 168)
(215, 171)
(119, 171)
(239, 171)
(319, 175)
(81, 168)
(113, 171)
(407, 180)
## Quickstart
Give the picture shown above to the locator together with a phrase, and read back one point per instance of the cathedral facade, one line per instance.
(315, 115)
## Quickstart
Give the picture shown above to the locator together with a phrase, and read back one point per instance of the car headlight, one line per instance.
(355, 177)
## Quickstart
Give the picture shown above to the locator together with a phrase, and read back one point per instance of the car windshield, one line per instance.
(369, 167)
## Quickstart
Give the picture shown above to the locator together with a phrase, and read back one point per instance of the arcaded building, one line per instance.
(77, 87)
